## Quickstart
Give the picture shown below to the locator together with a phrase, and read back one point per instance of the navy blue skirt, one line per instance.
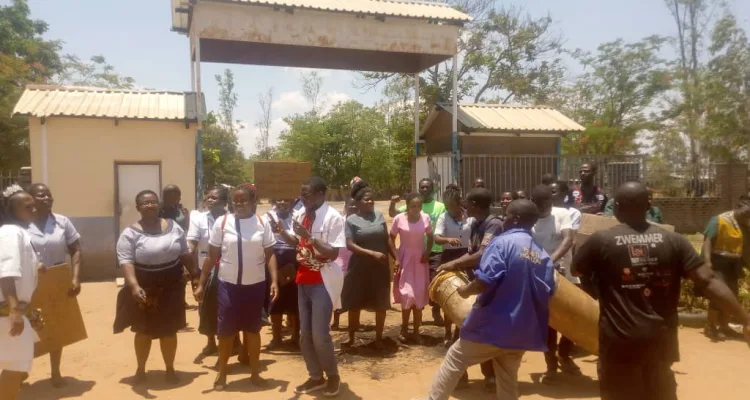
(240, 307)
(166, 313)
(287, 301)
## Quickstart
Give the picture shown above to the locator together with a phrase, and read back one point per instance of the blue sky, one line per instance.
(135, 37)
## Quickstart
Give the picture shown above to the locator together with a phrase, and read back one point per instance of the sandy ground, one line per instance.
(101, 366)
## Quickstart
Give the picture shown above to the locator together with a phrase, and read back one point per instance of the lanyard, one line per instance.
(239, 249)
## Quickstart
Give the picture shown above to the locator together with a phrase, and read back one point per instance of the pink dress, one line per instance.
(414, 276)
(343, 259)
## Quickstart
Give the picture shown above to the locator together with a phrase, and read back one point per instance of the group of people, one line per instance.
(308, 261)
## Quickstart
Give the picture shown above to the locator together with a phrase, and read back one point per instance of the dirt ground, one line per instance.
(101, 366)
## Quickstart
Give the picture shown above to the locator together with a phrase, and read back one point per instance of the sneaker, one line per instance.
(311, 386)
(332, 386)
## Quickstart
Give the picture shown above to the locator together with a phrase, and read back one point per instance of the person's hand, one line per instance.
(455, 242)
(139, 295)
(425, 257)
(17, 324)
(274, 292)
(395, 199)
(447, 267)
(198, 293)
(75, 287)
(396, 267)
(275, 226)
(300, 230)
(463, 291)
(379, 257)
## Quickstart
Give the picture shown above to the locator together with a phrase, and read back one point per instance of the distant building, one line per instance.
(511, 147)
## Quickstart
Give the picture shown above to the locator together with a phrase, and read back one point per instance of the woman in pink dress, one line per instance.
(344, 256)
(415, 234)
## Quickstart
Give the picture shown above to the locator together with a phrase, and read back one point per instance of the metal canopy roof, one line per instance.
(46, 101)
(363, 35)
(389, 8)
(505, 118)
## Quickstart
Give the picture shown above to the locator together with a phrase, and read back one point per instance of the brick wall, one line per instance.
(688, 214)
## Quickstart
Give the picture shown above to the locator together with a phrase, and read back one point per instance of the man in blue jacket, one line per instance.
(514, 282)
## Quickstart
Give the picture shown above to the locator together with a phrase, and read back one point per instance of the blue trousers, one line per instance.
(315, 310)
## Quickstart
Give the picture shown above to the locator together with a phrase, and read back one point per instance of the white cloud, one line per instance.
(286, 104)
(249, 136)
(290, 103)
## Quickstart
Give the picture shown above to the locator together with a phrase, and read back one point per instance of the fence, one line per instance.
(22, 178)
(522, 172)
(687, 196)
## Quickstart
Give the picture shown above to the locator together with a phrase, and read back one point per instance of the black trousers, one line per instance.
(644, 381)
(563, 349)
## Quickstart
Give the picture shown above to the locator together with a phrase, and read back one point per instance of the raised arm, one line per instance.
(392, 212)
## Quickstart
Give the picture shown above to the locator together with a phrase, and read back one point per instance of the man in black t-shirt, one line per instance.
(589, 198)
(638, 268)
(486, 226)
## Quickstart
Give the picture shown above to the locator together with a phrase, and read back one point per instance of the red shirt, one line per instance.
(305, 274)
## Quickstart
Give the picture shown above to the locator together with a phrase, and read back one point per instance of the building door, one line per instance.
(130, 180)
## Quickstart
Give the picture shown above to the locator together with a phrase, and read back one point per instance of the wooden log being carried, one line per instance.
(573, 313)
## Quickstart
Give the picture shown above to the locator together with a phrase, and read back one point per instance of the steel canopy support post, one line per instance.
(196, 74)
(456, 153)
(416, 114)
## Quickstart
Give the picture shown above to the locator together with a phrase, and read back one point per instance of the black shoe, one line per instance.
(568, 366)
(551, 377)
(713, 334)
(332, 386)
(311, 386)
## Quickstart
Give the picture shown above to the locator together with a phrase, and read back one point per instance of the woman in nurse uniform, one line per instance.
(54, 238)
(18, 278)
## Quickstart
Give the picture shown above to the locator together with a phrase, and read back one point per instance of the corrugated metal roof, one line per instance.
(46, 101)
(394, 8)
(503, 118)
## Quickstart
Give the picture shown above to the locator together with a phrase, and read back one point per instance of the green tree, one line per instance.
(227, 100)
(223, 161)
(346, 142)
(727, 92)
(611, 99)
(25, 58)
(97, 72)
(508, 56)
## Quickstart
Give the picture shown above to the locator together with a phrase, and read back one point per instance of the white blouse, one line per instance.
(18, 260)
(257, 235)
(52, 243)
